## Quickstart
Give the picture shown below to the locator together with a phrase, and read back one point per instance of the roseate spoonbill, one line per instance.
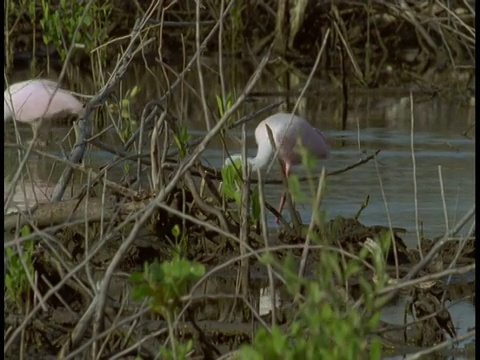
(288, 131)
(32, 101)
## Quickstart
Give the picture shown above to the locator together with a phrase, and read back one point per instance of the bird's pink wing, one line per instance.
(35, 100)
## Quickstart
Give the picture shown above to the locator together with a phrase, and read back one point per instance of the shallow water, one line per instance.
(442, 155)
(438, 146)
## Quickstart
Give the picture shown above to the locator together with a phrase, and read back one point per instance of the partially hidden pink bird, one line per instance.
(288, 131)
(35, 101)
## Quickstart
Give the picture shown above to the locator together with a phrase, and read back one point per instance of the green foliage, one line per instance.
(237, 26)
(180, 352)
(163, 284)
(16, 280)
(224, 105)
(182, 137)
(294, 188)
(181, 238)
(231, 188)
(59, 24)
(231, 181)
(325, 325)
(127, 126)
(125, 104)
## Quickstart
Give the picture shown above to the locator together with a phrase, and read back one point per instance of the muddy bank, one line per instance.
(216, 315)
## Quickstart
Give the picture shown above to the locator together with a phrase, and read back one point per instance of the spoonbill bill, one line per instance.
(288, 132)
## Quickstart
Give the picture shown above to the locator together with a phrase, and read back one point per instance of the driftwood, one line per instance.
(57, 213)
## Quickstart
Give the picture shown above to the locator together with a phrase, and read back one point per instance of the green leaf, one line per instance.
(176, 231)
(375, 350)
(219, 105)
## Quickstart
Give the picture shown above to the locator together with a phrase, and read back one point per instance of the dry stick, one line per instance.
(141, 312)
(258, 252)
(444, 203)
(214, 173)
(49, 293)
(189, 299)
(392, 291)
(60, 298)
(313, 221)
(146, 122)
(140, 139)
(35, 133)
(242, 280)
(83, 123)
(181, 76)
(25, 267)
(346, 46)
(442, 345)
(203, 98)
(462, 222)
(438, 28)
(170, 125)
(83, 128)
(156, 169)
(309, 79)
(88, 270)
(470, 29)
(48, 239)
(295, 217)
(132, 194)
(203, 205)
(249, 117)
(15, 178)
(414, 173)
(184, 166)
(461, 245)
(247, 255)
(114, 325)
(244, 218)
(263, 224)
(220, 58)
(79, 330)
(110, 184)
(58, 286)
(405, 12)
(392, 234)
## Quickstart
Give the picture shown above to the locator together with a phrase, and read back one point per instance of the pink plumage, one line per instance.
(32, 100)
(288, 131)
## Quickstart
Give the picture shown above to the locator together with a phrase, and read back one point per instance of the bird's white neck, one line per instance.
(263, 157)
(258, 162)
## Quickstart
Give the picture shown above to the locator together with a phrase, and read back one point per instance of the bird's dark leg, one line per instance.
(281, 205)
(286, 170)
(40, 130)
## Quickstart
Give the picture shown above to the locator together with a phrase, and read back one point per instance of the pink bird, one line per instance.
(32, 101)
(288, 131)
